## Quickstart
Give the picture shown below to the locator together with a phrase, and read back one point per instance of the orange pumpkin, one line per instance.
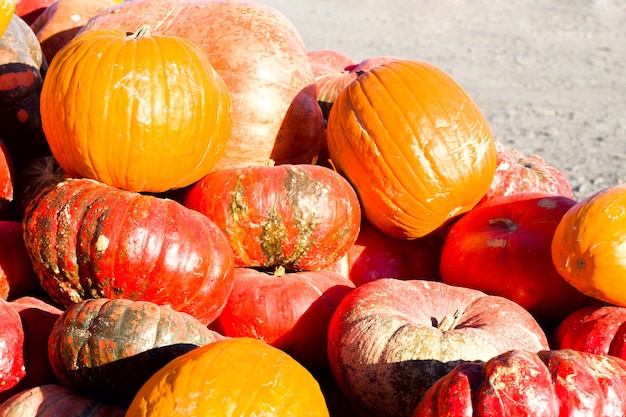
(7, 10)
(140, 112)
(589, 244)
(232, 377)
(413, 144)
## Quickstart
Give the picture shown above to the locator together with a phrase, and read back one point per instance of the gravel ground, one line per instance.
(549, 75)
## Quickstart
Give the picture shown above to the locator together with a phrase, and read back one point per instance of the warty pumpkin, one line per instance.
(589, 244)
(413, 144)
(140, 112)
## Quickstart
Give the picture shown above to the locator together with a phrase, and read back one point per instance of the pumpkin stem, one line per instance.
(279, 271)
(449, 321)
(142, 32)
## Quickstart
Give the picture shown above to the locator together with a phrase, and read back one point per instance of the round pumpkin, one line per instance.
(12, 368)
(239, 377)
(87, 240)
(141, 112)
(52, 400)
(7, 10)
(107, 349)
(390, 340)
(300, 217)
(263, 61)
(539, 384)
(589, 243)
(413, 144)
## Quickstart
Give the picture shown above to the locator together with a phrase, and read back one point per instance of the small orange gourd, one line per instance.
(413, 144)
(238, 377)
(140, 112)
(589, 245)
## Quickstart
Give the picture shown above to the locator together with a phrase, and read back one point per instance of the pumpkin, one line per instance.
(164, 114)
(7, 179)
(29, 10)
(289, 311)
(519, 173)
(11, 347)
(107, 349)
(238, 377)
(53, 400)
(539, 384)
(62, 20)
(389, 340)
(588, 245)
(503, 247)
(300, 217)
(87, 240)
(17, 277)
(7, 9)
(596, 328)
(22, 69)
(263, 61)
(37, 317)
(413, 144)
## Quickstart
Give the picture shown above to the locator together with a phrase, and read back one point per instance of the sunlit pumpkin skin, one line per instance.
(413, 144)
(12, 368)
(238, 377)
(90, 240)
(289, 311)
(7, 179)
(263, 61)
(17, 277)
(62, 20)
(22, 69)
(29, 10)
(520, 383)
(503, 247)
(300, 217)
(519, 173)
(53, 400)
(107, 349)
(163, 112)
(7, 10)
(390, 340)
(588, 245)
(597, 328)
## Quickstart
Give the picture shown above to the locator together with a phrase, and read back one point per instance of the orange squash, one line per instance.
(140, 112)
(7, 10)
(413, 144)
(236, 377)
(589, 245)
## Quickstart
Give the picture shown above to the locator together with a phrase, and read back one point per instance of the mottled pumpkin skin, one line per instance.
(89, 240)
(107, 349)
(548, 383)
(235, 377)
(413, 144)
(300, 217)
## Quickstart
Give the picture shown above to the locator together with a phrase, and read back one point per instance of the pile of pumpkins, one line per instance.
(200, 217)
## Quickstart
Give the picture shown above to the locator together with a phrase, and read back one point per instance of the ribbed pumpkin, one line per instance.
(87, 240)
(107, 349)
(414, 145)
(239, 377)
(140, 112)
(589, 243)
(53, 400)
(300, 217)
(7, 10)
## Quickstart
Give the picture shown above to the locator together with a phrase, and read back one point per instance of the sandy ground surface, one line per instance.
(549, 75)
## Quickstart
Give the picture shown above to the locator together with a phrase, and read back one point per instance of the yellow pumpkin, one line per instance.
(7, 10)
(236, 377)
(589, 245)
(140, 112)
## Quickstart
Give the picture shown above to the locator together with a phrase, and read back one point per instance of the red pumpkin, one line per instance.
(518, 173)
(263, 61)
(52, 400)
(89, 240)
(289, 311)
(520, 383)
(502, 247)
(38, 317)
(107, 349)
(390, 340)
(17, 276)
(12, 368)
(300, 217)
(597, 328)
(29, 10)
(7, 179)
